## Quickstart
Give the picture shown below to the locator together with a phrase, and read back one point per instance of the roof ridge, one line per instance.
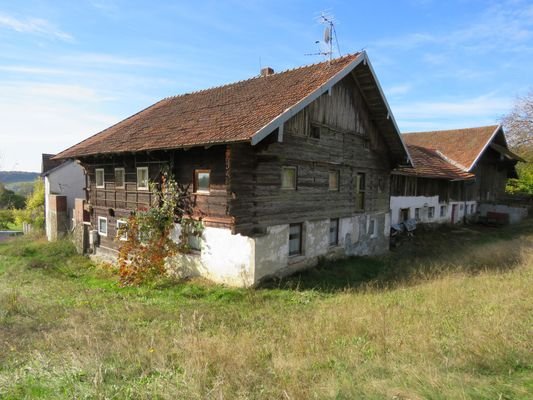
(452, 130)
(259, 76)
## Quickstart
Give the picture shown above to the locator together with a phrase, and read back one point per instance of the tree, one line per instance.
(518, 126)
(9, 199)
(33, 213)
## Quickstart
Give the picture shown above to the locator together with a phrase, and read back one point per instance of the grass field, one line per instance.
(449, 315)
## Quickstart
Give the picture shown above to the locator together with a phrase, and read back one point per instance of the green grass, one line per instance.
(447, 315)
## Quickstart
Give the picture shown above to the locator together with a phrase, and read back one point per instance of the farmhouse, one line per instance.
(284, 168)
(454, 172)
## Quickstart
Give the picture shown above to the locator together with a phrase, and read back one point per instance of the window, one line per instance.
(119, 178)
(442, 211)
(295, 239)
(461, 207)
(404, 214)
(334, 176)
(417, 213)
(314, 132)
(121, 230)
(431, 212)
(288, 178)
(142, 178)
(100, 179)
(102, 226)
(334, 232)
(472, 208)
(372, 228)
(360, 191)
(201, 180)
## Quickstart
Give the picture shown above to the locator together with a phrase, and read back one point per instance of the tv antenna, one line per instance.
(330, 34)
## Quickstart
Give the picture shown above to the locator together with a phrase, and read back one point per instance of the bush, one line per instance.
(6, 218)
(33, 213)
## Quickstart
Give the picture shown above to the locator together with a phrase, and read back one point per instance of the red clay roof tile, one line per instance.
(225, 114)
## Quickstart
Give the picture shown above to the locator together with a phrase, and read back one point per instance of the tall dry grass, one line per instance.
(448, 325)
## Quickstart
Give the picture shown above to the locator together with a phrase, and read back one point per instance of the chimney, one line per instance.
(267, 71)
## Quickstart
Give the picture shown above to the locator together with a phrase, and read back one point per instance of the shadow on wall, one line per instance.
(426, 256)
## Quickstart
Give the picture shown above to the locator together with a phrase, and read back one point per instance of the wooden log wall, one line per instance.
(118, 203)
(349, 143)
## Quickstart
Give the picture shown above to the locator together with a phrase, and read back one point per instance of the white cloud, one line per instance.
(32, 25)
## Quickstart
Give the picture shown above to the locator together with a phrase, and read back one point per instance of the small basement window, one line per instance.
(372, 228)
(334, 232)
(334, 176)
(289, 177)
(431, 212)
(119, 178)
(122, 234)
(102, 226)
(100, 179)
(295, 239)
(142, 178)
(202, 180)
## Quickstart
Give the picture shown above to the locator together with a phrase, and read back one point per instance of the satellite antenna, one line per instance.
(328, 20)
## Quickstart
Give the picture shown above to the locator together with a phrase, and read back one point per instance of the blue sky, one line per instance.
(71, 68)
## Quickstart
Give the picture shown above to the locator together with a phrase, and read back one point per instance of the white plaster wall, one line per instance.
(271, 251)
(224, 257)
(67, 180)
(516, 214)
(316, 238)
(422, 202)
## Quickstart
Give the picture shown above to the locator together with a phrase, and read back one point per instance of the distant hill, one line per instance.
(17, 176)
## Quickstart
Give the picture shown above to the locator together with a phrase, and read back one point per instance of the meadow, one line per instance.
(447, 315)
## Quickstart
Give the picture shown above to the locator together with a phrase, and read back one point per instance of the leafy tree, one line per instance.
(33, 213)
(9, 199)
(6, 218)
(518, 126)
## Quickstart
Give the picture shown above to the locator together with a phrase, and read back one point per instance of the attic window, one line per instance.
(100, 180)
(314, 131)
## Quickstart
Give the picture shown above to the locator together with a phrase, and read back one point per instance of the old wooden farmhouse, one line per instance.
(284, 167)
(454, 171)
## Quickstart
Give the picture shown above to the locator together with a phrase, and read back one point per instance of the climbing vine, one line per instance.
(146, 240)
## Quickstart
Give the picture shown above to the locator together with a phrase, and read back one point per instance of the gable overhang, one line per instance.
(278, 122)
(485, 146)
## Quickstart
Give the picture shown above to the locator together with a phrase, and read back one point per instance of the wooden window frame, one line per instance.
(300, 247)
(336, 242)
(96, 171)
(122, 238)
(147, 187)
(360, 191)
(123, 186)
(338, 177)
(196, 181)
(106, 226)
(290, 167)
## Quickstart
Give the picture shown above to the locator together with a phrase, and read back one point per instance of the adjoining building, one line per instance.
(454, 172)
(284, 168)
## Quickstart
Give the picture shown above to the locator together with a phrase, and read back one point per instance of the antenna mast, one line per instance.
(329, 32)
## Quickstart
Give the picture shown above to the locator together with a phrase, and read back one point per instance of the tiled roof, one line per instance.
(428, 163)
(225, 114)
(460, 146)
